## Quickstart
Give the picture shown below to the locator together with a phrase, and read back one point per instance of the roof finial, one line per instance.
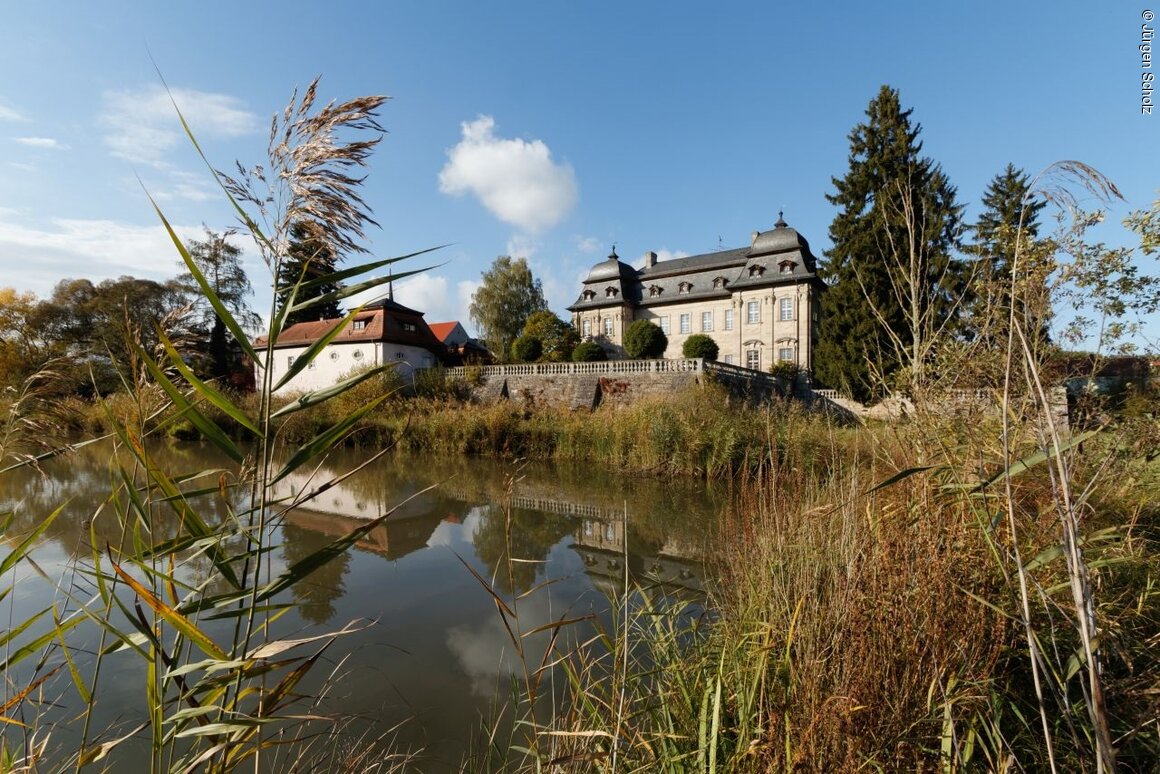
(780, 220)
(613, 256)
(390, 285)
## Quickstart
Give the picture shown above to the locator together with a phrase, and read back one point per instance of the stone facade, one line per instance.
(760, 303)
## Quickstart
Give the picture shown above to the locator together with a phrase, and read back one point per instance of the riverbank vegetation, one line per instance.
(957, 591)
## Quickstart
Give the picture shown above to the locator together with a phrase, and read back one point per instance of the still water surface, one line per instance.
(438, 658)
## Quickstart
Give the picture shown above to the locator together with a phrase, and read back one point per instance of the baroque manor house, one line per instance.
(759, 303)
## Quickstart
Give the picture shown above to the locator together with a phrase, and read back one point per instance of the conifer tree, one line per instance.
(894, 283)
(308, 257)
(1010, 216)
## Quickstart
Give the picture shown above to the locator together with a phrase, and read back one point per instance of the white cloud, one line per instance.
(36, 259)
(11, 114)
(142, 126)
(515, 179)
(587, 244)
(522, 246)
(41, 142)
(436, 298)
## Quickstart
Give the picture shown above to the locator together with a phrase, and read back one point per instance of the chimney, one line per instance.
(650, 259)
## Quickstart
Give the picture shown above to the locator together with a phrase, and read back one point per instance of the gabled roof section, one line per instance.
(381, 321)
(444, 329)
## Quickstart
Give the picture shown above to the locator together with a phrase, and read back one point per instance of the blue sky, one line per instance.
(549, 130)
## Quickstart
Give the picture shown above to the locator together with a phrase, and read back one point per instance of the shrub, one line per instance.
(700, 345)
(588, 352)
(644, 339)
(785, 369)
(527, 349)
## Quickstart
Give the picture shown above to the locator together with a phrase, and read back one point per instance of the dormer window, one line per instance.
(756, 271)
(655, 290)
(720, 282)
(589, 295)
(685, 287)
(611, 292)
(786, 267)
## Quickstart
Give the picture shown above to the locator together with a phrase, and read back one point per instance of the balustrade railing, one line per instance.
(683, 365)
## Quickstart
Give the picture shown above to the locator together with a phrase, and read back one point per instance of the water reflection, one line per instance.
(440, 654)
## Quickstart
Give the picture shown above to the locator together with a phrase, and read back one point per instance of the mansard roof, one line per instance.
(775, 257)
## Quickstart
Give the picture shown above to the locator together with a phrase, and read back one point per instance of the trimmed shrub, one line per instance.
(527, 349)
(700, 345)
(644, 339)
(588, 352)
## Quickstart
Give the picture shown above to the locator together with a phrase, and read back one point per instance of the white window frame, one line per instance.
(686, 323)
(785, 309)
(728, 319)
(706, 322)
(586, 327)
(785, 355)
(753, 312)
(609, 327)
(753, 359)
(664, 324)
(729, 360)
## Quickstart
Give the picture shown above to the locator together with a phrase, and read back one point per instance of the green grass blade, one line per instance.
(325, 440)
(18, 553)
(219, 308)
(340, 276)
(208, 391)
(320, 396)
(351, 290)
(307, 357)
(206, 426)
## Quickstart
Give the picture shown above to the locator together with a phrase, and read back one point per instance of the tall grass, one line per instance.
(187, 585)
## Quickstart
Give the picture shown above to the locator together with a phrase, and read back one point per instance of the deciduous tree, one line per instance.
(558, 337)
(220, 264)
(502, 305)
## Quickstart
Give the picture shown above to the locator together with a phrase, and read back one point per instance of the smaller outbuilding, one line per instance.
(383, 332)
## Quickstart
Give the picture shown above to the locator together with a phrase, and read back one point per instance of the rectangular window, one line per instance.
(785, 354)
(409, 327)
(664, 321)
(290, 361)
(706, 321)
(686, 323)
(786, 309)
(729, 360)
(753, 359)
(608, 326)
(359, 325)
(753, 312)
(728, 319)
(586, 328)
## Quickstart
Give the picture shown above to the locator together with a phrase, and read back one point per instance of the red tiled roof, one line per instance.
(388, 322)
(443, 329)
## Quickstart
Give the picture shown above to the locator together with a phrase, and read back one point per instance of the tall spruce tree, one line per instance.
(308, 257)
(1009, 221)
(894, 283)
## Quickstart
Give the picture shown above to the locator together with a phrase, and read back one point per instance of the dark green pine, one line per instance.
(308, 258)
(854, 350)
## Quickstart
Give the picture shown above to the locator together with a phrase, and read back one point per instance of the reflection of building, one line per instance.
(393, 539)
(759, 303)
(383, 332)
(601, 545)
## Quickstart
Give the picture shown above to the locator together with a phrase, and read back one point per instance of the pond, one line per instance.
(430, 655)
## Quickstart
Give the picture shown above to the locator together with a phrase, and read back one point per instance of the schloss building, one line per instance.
(759, 303)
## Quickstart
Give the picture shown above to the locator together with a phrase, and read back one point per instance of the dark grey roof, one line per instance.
(759, 265)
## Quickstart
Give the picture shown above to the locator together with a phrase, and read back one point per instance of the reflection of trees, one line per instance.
(315, 594)
(531, 536)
